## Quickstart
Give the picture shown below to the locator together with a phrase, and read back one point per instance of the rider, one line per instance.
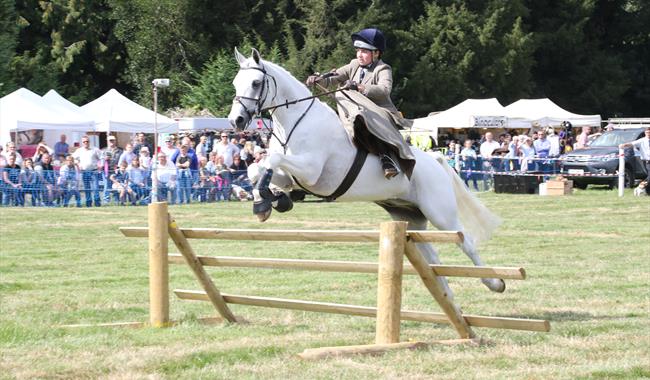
(370, 76)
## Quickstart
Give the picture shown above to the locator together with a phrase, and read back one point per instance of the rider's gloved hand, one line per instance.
(312, 79)
(351, 85)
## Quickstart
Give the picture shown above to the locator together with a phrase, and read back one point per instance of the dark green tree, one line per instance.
(456, 52)
(588, 54)
(159, 44)
(172, 38)
(8, 42)
(31, 66)
(212, 88)
(68, 46)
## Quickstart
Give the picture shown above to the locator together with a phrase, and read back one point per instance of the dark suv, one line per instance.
(598, 163)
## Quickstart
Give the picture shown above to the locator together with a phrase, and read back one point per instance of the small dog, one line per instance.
(639, 191)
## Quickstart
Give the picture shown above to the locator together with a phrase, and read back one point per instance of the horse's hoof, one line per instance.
(501, 288)
(264, 216)
(495, 284)
(282, 203)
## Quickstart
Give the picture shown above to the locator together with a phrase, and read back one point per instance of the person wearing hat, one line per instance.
(168, 147)
(113, 151)
(41, 149)
(367, 73)
(371, 77)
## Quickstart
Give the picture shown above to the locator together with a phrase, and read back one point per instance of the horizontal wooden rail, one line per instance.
(367, 236)
(351, 266)
(364, 311)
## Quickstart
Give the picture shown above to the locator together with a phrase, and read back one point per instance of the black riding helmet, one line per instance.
(370, 39)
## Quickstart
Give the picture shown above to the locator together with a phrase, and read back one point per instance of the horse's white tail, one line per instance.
(477, 219)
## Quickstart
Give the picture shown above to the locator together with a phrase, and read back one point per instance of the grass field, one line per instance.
(586, 255)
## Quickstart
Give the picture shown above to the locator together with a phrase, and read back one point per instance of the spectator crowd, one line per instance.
(538, 152)
(204, 169)
(185, 169)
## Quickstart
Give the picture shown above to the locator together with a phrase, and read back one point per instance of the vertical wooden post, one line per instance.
(158, 265)
(392, 241)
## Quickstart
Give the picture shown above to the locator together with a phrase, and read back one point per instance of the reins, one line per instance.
(360, 156)
(288, 103)
(260, 100)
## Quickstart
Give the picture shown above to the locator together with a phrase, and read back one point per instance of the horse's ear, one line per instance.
(240, 58)
(256, 56)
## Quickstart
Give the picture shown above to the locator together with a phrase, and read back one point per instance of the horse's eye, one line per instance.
(257, 83)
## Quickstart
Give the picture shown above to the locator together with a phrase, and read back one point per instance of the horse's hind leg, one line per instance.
(417, 221)
(468, 246)
(445, 217)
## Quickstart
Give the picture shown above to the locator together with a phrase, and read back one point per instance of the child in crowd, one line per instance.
(120, 183)
(468, 159)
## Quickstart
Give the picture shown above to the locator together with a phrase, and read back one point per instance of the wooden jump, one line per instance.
(395, 243)
(365, 311)
(505, 273)
(349, 236)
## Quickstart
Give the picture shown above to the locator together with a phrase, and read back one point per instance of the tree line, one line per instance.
(589, 56)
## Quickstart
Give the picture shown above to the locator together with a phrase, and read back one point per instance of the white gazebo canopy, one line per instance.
(113, 112)
(471, 113)
(545, 112)
(24, 110)
(54, 100)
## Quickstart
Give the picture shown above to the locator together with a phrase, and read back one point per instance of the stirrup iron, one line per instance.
(390, 167)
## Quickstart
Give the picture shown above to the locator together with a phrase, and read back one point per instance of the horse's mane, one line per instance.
(286, 72)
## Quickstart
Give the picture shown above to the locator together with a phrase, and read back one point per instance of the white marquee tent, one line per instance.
(24, 110)
(471, 113)
(114, 112)
(54, 100)
(545, 112)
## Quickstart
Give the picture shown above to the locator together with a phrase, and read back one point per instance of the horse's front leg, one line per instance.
(307, 168)
(279, 169)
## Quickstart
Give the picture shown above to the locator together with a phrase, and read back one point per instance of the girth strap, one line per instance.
(350, 177)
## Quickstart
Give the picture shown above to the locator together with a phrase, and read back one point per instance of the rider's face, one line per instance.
(364, 56)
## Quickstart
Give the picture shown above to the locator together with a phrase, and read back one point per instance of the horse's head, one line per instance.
(253, 90)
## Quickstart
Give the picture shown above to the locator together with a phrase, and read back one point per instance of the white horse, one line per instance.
(311, 145)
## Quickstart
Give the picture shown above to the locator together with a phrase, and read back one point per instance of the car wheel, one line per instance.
(580, 185)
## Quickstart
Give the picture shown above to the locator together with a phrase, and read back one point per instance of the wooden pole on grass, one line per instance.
(392, 241)
(158, 265)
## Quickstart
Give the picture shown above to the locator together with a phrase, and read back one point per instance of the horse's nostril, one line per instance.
(239, 121)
